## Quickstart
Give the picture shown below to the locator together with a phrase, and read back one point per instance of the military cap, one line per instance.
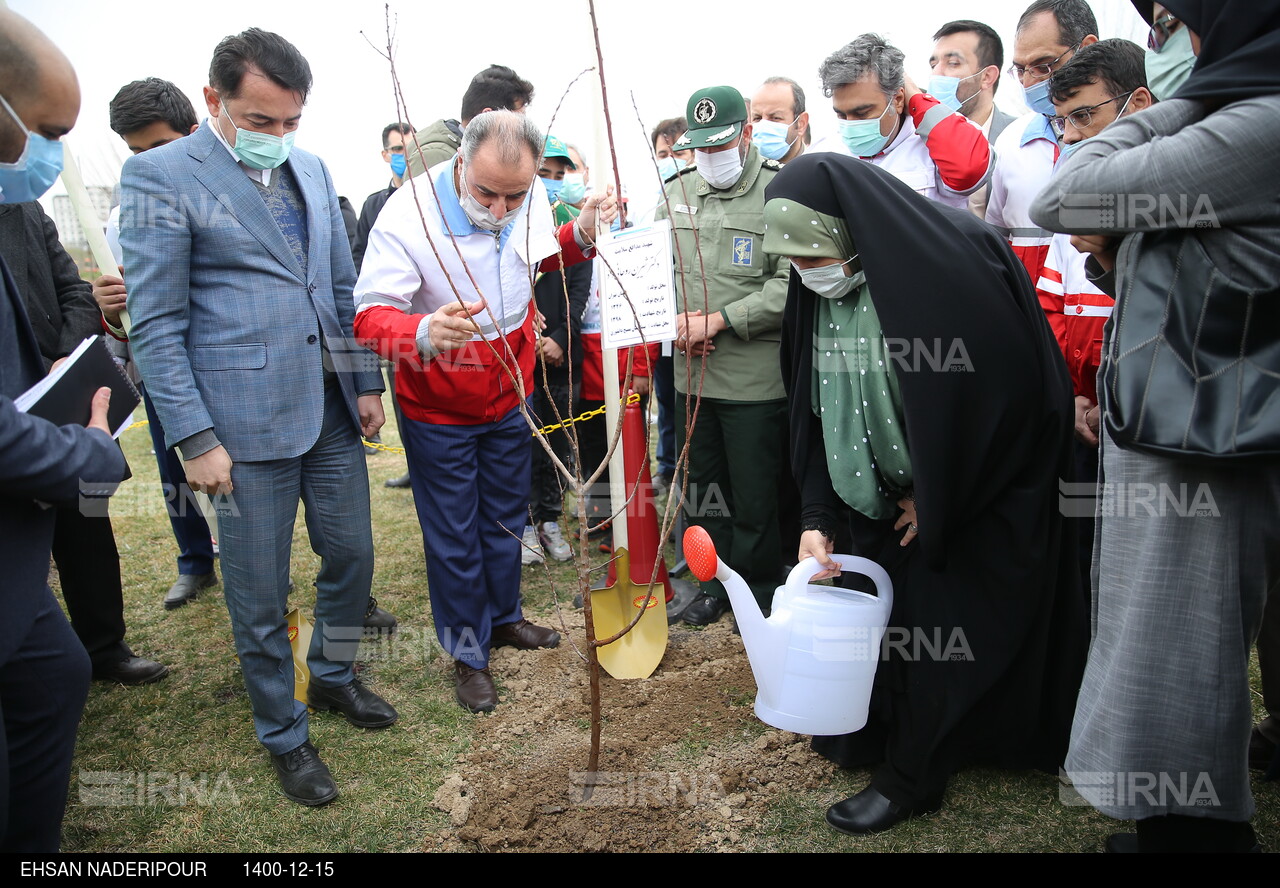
(716, 115)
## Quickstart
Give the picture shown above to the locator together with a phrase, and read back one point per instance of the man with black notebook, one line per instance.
(63, 313)
(44, 673)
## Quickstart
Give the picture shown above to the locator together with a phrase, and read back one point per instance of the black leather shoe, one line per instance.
(187, 588)
(1263, 754)
(870, 812)
(362, 707)
(377, 620)
(475, 688)
(401, 482)
(705, 610)
(523, 635)
(1122, 843)
(304, 778)
(131, 671)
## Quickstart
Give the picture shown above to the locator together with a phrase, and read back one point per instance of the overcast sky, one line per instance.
(658, 52)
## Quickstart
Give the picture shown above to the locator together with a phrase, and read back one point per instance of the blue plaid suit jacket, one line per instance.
(228, 327)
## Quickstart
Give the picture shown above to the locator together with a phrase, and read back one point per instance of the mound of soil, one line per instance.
(684, 764)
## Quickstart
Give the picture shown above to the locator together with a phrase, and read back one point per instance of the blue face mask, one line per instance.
(261, 151)
(669, 166)
(1170, 66)
(574, 189)
(1037, 98)
(863, 137)
(399, 165)
(554, 187)
(944, 89)
(770, 138)
(35, 170)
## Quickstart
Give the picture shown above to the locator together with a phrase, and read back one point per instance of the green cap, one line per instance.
(716, 115)
(557, 148)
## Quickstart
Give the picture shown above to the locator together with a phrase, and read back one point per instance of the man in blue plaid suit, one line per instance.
(240, 281)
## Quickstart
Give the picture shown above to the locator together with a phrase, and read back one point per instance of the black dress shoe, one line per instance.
(475, 689)
(870, 812)
(401, 482)
(303, 777)
(1264, 755)
(377, 620)
(131, 671)
(523, 635)
(1122, 843)
(362, 707)
(187, 588)
(705, 610)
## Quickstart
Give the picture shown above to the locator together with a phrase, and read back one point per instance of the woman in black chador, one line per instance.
(931, 419)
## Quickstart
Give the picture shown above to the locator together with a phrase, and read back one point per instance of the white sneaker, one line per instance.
(553, 541)
(531, 547)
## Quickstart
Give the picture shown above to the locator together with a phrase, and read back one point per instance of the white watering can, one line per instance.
(814, 658)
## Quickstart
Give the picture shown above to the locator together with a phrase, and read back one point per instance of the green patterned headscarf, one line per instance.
(855, 390)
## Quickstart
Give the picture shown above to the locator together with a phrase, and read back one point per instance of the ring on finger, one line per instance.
(913, 528)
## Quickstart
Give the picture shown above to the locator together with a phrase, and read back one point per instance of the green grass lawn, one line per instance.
(185, 747)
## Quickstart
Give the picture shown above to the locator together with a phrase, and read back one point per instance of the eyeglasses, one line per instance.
(1041, 71)
(1082, 118)
(1161, 30)
(395, 149)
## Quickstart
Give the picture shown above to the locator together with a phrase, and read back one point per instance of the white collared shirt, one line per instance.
(263, 177)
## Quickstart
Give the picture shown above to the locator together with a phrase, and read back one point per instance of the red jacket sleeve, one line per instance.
(959, 149)
(569, 249)
(642, 359)
(388, 331)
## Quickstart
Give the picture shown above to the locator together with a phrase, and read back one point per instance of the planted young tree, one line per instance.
(578, 478)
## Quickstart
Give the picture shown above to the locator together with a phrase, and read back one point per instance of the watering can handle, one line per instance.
(804, 571)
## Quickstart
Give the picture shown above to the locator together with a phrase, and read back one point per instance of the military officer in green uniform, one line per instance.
(730, 297)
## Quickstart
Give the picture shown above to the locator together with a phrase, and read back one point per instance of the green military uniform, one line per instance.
(431, 145)
(746, 284)
(738, 452)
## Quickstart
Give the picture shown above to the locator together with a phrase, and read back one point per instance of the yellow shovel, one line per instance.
(635, 546)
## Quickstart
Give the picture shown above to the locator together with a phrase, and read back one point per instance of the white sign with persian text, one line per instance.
(637, 286)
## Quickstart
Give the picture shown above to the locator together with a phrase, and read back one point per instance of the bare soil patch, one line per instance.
(685, 764)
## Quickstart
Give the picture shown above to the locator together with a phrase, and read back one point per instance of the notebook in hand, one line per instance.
(65, 396)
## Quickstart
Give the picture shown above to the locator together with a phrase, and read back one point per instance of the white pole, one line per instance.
(89, 221)
(612, 383)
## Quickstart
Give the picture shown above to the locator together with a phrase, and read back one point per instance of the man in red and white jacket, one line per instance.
(446, 292)
(1047, 38)
(886, 120)
(1103, 82)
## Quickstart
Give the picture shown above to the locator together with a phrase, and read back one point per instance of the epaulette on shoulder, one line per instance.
(771, 165)
(687, 168)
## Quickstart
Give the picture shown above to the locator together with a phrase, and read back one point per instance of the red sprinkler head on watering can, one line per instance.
(700, 553)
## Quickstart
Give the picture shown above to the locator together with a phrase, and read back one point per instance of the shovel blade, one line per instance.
(638, 653)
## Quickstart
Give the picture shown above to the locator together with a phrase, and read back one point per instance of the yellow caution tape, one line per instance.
(582, 417)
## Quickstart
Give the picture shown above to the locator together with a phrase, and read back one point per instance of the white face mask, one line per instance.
(478, 213)
(830, 281)
(721, 169)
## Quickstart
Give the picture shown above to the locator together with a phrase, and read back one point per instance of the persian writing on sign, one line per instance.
(637, 297)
